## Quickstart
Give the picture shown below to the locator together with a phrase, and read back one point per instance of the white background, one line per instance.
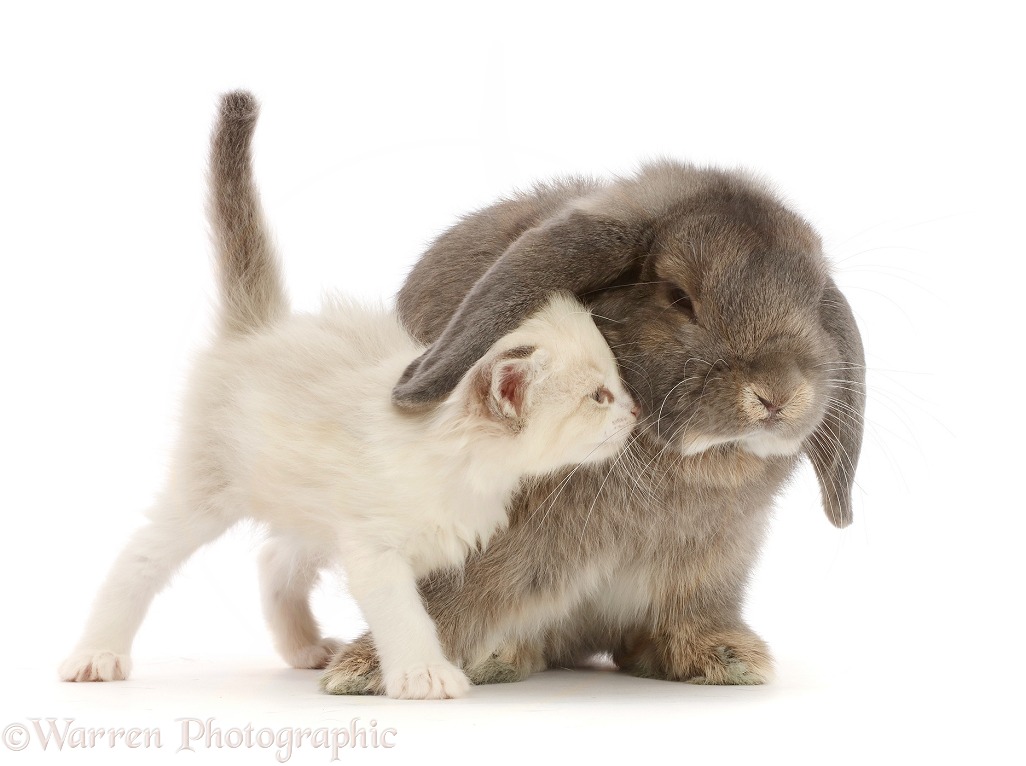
(895, 127)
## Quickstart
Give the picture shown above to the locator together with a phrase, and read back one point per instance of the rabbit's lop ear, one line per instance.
(577, 252)
(834, 446)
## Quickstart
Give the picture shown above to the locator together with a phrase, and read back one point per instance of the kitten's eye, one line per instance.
(681, 301)
(603, 395)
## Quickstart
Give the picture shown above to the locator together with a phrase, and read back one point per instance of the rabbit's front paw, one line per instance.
(509, 663)
(727, 657)
(354, 670)
(728, 665)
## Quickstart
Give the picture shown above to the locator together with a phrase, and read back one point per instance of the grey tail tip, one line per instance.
(239, 105)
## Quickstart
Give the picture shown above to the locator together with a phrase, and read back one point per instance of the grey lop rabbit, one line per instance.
(743, 355)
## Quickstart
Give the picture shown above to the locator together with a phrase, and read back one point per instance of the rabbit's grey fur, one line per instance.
(717, 300)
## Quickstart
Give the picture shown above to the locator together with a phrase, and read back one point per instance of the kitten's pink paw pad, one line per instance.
(315, 655)
(428, 682)
(97, 666)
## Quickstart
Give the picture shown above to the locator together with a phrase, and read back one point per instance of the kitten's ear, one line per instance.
(504, 382)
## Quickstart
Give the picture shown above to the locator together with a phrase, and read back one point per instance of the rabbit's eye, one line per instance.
(681, 301)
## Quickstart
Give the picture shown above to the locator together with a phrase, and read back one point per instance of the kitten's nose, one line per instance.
(635, 410)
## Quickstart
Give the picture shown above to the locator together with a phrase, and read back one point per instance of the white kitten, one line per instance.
(288, 420)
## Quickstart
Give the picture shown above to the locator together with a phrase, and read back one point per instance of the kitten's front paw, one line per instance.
(96, 666)
(437, 681)
(315, 655)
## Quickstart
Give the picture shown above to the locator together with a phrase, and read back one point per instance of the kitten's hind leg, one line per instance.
(141, 570)
(412, 663)
(288, 572)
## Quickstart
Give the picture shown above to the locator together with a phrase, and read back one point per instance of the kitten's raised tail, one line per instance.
(252, 293)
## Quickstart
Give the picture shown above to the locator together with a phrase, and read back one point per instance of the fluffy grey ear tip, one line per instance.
(840, 515)
(409, 396)
(843, 521)
(415, 393)
(406, 377)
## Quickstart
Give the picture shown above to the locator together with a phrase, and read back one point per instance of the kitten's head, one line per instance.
(551, 388)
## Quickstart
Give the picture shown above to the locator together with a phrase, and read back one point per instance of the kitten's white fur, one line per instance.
(288, 420)
(293, 426)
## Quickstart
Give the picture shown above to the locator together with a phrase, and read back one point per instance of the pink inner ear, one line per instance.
(513, 385)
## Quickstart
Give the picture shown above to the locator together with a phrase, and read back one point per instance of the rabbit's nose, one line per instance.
(770, 403)
(771, 407)
(635, 410)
